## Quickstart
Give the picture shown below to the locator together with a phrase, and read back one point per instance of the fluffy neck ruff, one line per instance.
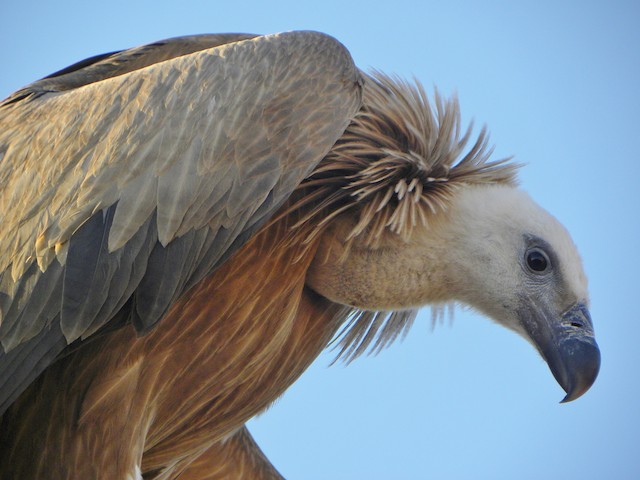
(397, 167)
(398, 163)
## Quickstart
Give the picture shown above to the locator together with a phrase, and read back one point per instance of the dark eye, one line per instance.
(537, 260)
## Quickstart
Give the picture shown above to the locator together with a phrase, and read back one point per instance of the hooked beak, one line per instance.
(567, 344)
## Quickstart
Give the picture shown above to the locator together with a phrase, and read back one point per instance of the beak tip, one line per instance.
(570, 397)
(573, 395)
(583, 368)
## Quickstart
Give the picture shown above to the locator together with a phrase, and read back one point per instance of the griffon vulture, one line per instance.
(187, 224)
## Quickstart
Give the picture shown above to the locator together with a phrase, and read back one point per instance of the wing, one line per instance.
(128, 177)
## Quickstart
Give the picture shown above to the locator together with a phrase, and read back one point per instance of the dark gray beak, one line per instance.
(568, 346)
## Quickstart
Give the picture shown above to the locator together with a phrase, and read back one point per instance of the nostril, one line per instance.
(577, 317)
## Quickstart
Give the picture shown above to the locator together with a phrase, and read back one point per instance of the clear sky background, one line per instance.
(557, 83)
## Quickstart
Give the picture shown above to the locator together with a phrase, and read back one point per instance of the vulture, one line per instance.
(187, 224)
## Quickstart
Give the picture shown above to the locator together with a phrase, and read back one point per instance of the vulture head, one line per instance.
(414, 225)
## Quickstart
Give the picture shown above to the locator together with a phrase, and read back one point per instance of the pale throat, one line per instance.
(398, 273)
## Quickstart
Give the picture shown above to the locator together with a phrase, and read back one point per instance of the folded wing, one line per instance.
(128, 177)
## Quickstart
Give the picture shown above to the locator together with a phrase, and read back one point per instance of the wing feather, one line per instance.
(141, 194)
(21, 366)
(87, 272)
(37, 297)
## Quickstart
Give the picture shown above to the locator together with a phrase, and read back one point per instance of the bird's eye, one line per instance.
(537, 260)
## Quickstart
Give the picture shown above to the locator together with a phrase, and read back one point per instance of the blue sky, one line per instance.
(557, 84)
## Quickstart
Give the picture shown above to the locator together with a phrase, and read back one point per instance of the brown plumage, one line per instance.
(237, 457)
(165, 293)
(232, 346)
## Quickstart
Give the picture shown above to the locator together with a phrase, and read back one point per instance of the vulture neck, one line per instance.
(431, 265)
